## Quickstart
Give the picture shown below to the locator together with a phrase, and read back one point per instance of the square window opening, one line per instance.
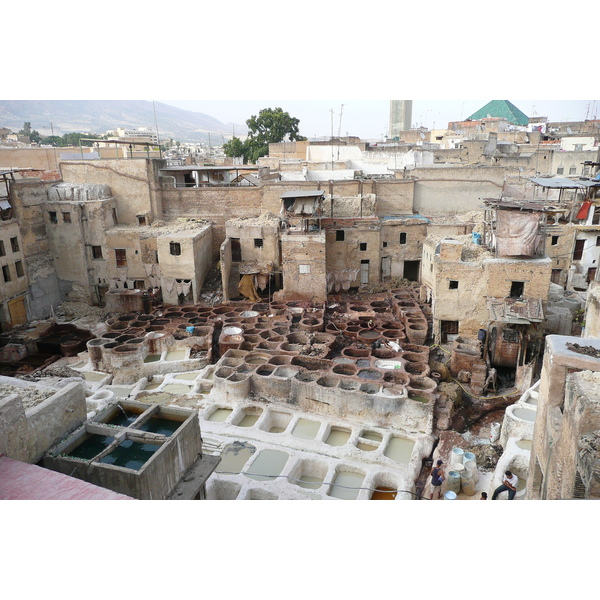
(66, 217)
(258, 242)
(403, 238)
(340, 235)
(363, 246)
(517, 289)
(175, 248)
(53, 217)
(453, 284)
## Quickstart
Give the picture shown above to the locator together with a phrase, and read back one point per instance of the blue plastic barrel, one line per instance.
(449, 495)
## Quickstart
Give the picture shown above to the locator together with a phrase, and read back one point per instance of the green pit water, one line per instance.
(188, 376)
(399, 449)
(277, 429)
(349, 480)
(309, 482)
(92, 446)
(306, 429)
(177, 388)
(220, 415)
(248, 421)
(234, 457)
(268, 464)
(337, 437)
(152, 358)
(162, 426)
(130, 455)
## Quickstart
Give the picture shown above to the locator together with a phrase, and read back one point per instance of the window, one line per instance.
(572, 170)
(363, 246)
(555, 277)
(141, 219)
(3, 251)
(66, 217)
(403, 238)
(53, 217)
(578, 252)
(114, 216)
(236, 250)
(258, 242)
(139, 284)
(560, 170)
(340, 235)
(385, 244)
(597, 242)
(453, 285)
(175, 248)
(517, 289)
(14, 244)
(97, 252)
(578, 148)
(304, 268)
(121, 257)
(19, 268)
(554, 240)
(6, 273)
(591, 274)
(596, 216)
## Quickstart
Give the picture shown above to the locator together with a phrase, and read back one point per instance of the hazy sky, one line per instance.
(369, 119)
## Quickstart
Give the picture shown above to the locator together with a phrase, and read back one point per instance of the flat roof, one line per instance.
(22, 481)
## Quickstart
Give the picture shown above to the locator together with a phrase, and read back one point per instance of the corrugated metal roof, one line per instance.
(564, 183)
(302, 194)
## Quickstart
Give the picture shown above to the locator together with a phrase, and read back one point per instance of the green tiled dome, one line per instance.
(503, 109)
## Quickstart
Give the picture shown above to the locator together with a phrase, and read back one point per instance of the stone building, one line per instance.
(564, 456)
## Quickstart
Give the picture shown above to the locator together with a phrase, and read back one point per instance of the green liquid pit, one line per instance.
(130, 455)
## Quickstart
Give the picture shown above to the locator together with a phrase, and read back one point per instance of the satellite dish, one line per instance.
(422, 135)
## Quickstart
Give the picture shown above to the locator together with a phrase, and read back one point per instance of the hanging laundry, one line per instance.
(247, 289)
(584, 210)
(185, 286)
(262, 281)
(169, 284)
(148, 269)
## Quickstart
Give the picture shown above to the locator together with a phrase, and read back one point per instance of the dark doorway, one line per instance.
(412, 269)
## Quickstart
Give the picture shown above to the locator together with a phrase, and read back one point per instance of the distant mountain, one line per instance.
(99, 116)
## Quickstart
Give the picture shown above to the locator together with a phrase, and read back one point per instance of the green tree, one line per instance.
(235, 147)
(269, 127)
(26, 128)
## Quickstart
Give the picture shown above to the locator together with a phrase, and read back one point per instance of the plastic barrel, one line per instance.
(450, 495)
(456, 456)
(468, 456)
(454, 482)
(467, 483)
(471, 466)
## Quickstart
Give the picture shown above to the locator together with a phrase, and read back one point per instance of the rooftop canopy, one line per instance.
(564, 183)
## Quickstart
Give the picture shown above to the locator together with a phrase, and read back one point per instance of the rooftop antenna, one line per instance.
(156, 125)
(340, 129)
(331, 111)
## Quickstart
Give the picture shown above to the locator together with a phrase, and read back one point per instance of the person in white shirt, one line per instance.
(509, 484)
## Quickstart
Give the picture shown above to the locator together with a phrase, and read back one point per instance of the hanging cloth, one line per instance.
(584, 210)
(185, 286)
(169, 284)
(247, 289)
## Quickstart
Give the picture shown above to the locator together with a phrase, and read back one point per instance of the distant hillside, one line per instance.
(98, 116)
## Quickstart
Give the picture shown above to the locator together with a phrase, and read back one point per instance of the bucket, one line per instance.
(494, 433)
(468, 456)
(456, 456)
(449, 495)
(190, 329)
(454, 482)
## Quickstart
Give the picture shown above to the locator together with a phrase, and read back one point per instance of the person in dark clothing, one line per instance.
(437, 478)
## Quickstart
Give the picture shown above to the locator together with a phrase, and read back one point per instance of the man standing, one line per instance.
(437, 478)
(509, 484)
